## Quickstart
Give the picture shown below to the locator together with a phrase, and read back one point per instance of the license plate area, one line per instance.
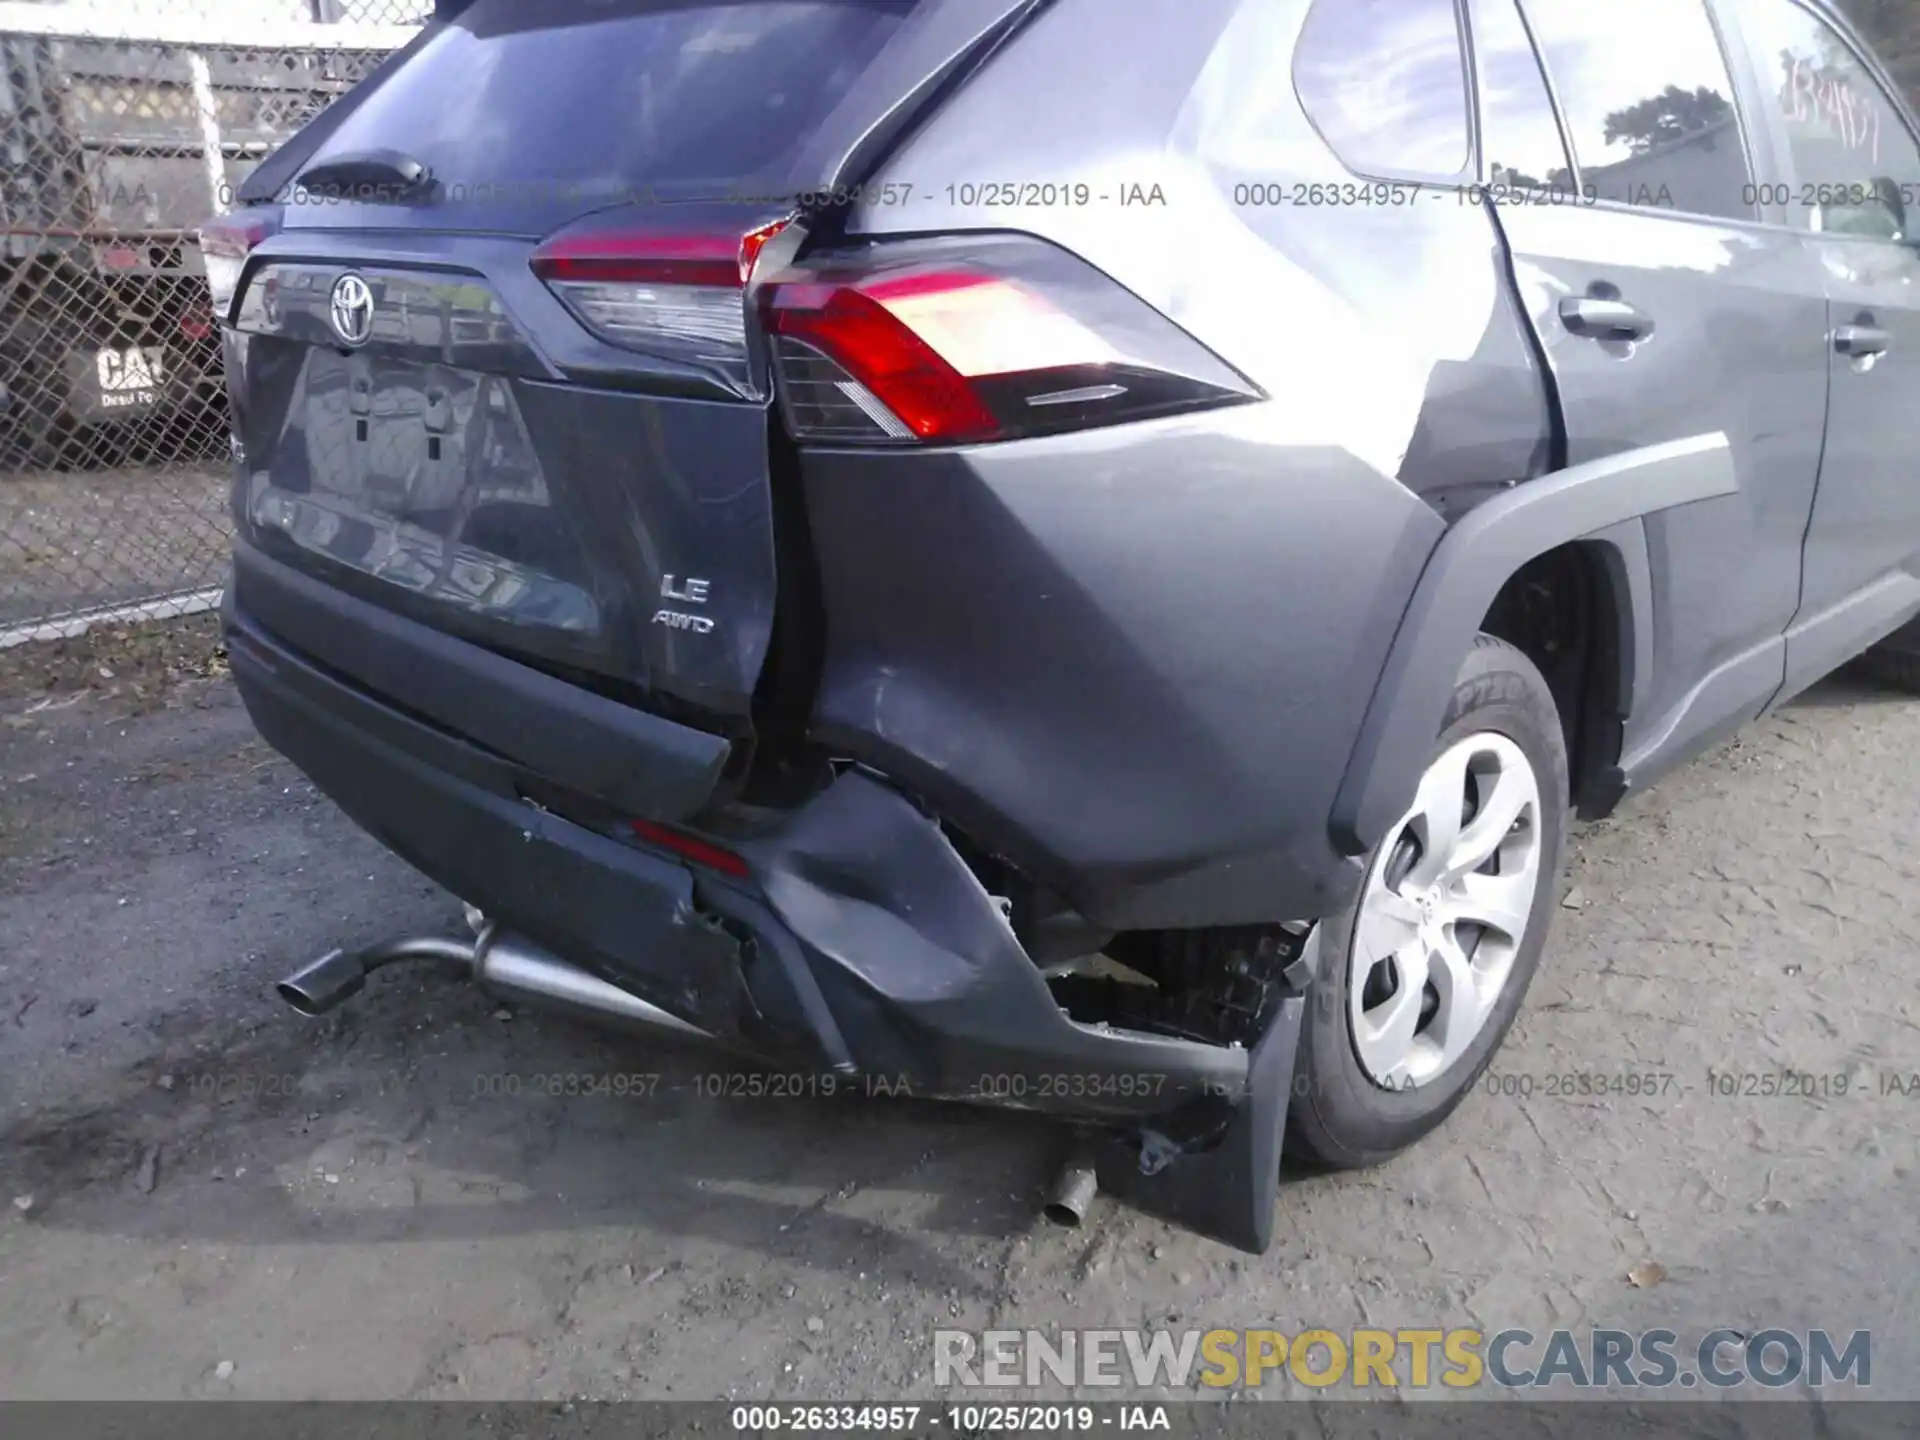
(425, 477)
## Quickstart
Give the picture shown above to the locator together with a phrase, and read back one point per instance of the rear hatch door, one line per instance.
(521, 401)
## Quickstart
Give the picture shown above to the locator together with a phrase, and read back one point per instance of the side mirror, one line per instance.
(1875, 210)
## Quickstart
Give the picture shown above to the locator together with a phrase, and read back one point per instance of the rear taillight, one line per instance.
(675, 293)
(225, 245)
(976, 338)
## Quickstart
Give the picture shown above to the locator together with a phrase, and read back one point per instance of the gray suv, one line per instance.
(1071, 554)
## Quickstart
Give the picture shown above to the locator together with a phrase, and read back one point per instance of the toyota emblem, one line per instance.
(352, 309)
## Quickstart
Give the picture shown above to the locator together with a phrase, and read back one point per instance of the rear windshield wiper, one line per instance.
(374, 176)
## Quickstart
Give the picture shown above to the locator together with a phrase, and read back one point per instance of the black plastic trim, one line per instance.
(1474, 559)
(1229, 1190)
(652, 767)
(280, 168)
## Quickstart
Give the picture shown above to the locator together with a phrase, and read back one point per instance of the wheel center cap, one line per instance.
(1430, 905)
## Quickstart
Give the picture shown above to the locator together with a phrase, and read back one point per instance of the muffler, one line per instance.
(509, 967)
(505, 966)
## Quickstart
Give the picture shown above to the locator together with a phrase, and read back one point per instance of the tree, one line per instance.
(1892, 27)
(1671, 115)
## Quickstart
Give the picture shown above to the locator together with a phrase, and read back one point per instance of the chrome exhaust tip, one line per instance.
(339, 975)
(334, 978)
(1074, 1190)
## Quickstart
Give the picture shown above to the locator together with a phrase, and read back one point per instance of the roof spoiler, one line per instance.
(444, 10)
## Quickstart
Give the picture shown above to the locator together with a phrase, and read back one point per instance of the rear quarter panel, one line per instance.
(1134, 660)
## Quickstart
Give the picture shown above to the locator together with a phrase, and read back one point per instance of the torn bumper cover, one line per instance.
(858, 943)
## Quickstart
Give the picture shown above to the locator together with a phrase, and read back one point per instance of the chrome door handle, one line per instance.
(1861, 341)
(1596, 319)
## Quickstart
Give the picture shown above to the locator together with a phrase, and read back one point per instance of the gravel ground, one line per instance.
(228, 1201)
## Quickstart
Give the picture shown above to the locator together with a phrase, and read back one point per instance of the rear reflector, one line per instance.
(677, 294)
(973, 339)
(690, 847)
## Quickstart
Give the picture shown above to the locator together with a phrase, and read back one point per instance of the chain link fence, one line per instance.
(123, 125)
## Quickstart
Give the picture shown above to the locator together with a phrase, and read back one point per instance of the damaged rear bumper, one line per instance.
(858, 941)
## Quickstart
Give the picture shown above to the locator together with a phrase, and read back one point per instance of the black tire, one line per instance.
(1895, 661)
(1339, 1117)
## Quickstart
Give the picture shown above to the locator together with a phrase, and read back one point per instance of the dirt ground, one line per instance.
(203, 1195)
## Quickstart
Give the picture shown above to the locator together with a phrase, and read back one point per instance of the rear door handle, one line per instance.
(1597, 319)
(1861, 341)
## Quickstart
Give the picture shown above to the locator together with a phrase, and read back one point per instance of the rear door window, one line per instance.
(574, 104)
(1649, 103)
(1385, 84)
(1855, 165)
(1519, 133)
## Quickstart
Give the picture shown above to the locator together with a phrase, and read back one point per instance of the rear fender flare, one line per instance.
(1601, 502)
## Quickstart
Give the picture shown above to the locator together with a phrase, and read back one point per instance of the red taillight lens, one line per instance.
(900, 377)
(972, 339)
(690, 847)
(225, 244)
(675, 293)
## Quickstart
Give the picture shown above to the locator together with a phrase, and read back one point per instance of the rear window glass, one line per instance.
(547, 99)
(1385, 83)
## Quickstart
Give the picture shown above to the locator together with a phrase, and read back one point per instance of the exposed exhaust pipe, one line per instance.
(1073, 1192)
(509, 967)
(506, 966)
